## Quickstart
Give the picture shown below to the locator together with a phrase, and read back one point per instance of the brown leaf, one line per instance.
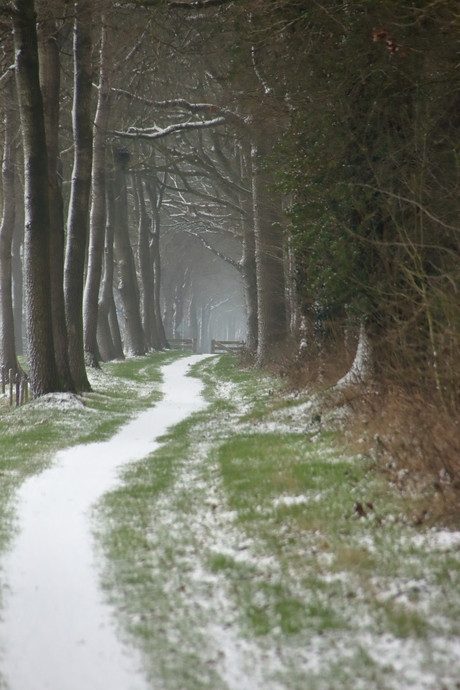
(360, 510)
(379, 35)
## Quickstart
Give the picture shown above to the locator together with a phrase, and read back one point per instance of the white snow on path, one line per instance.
(56, 631)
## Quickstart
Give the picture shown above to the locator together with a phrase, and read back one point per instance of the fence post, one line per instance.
(3, 380)
(194, 345)
(17, 382)
(213, 347)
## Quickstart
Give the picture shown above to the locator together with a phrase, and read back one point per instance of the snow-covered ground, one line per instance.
(56, 631)
(204, 570)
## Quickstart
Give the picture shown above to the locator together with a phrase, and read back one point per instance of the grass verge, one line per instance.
(251, 551)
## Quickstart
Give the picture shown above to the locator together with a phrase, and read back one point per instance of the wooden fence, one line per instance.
(232, 347)
(186, 344)
(17, 386)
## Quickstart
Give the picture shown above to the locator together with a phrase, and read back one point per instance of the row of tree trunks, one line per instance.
(54, 289)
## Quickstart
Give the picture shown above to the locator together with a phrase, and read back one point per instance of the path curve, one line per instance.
(56, 631)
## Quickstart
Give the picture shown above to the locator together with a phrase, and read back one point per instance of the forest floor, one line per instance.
(252, 549)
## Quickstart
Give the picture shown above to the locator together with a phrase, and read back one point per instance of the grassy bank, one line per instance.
(252, 551)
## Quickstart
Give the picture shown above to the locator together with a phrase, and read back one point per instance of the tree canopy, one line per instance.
(293, 162)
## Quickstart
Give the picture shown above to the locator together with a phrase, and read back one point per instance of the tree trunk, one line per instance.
(249, 277)
(97, 218)
(7, 341)
(146, 273)
(271, 299)
(18, 278)
(155, 258)
(248, 256)
(50, 69)
(204, 328)
(77, 226)
(42, 363)
(361, 371)
(134, 339)
(193, 319)
(178, 307)
(108, 332)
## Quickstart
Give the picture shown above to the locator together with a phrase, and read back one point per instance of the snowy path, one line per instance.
(56, 631)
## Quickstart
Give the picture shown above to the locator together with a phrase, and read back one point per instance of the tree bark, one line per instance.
(7, 339)
(108, 331)
(48, 52)
(42, 363)
(97, 217)
(146, 272)
(77, 226)
(18, 278)
(248, 256)
(271, 301)
(248, 273)
(134, 339)
(155, 257)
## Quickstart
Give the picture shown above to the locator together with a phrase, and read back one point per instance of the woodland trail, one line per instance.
(57, 632)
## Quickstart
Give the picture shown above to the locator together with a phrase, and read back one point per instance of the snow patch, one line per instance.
(291, 501)
(63, 401)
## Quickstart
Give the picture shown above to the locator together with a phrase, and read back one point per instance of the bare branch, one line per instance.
(418, 205)
(198, 4)
(134, 133)
(181, 103)
(224, 257)
(4, 79)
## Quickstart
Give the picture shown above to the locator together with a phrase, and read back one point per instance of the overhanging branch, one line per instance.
(134, 133)
(224, 257)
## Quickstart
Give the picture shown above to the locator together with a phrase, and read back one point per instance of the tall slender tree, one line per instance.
(77, 225)
(108, 329)
(98, 204)
(7, 340)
